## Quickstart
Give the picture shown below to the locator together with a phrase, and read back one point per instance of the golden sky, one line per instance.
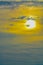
(18, 26)
(10, 22)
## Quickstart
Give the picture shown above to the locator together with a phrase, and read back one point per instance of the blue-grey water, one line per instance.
(13, 53)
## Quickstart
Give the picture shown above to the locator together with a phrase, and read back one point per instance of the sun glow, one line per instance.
(30, 24)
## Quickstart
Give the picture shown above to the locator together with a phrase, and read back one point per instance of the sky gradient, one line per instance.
(18, 45)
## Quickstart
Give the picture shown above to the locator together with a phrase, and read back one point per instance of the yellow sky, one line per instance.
(17, 26)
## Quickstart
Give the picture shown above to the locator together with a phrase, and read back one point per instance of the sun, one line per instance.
(30, 24)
